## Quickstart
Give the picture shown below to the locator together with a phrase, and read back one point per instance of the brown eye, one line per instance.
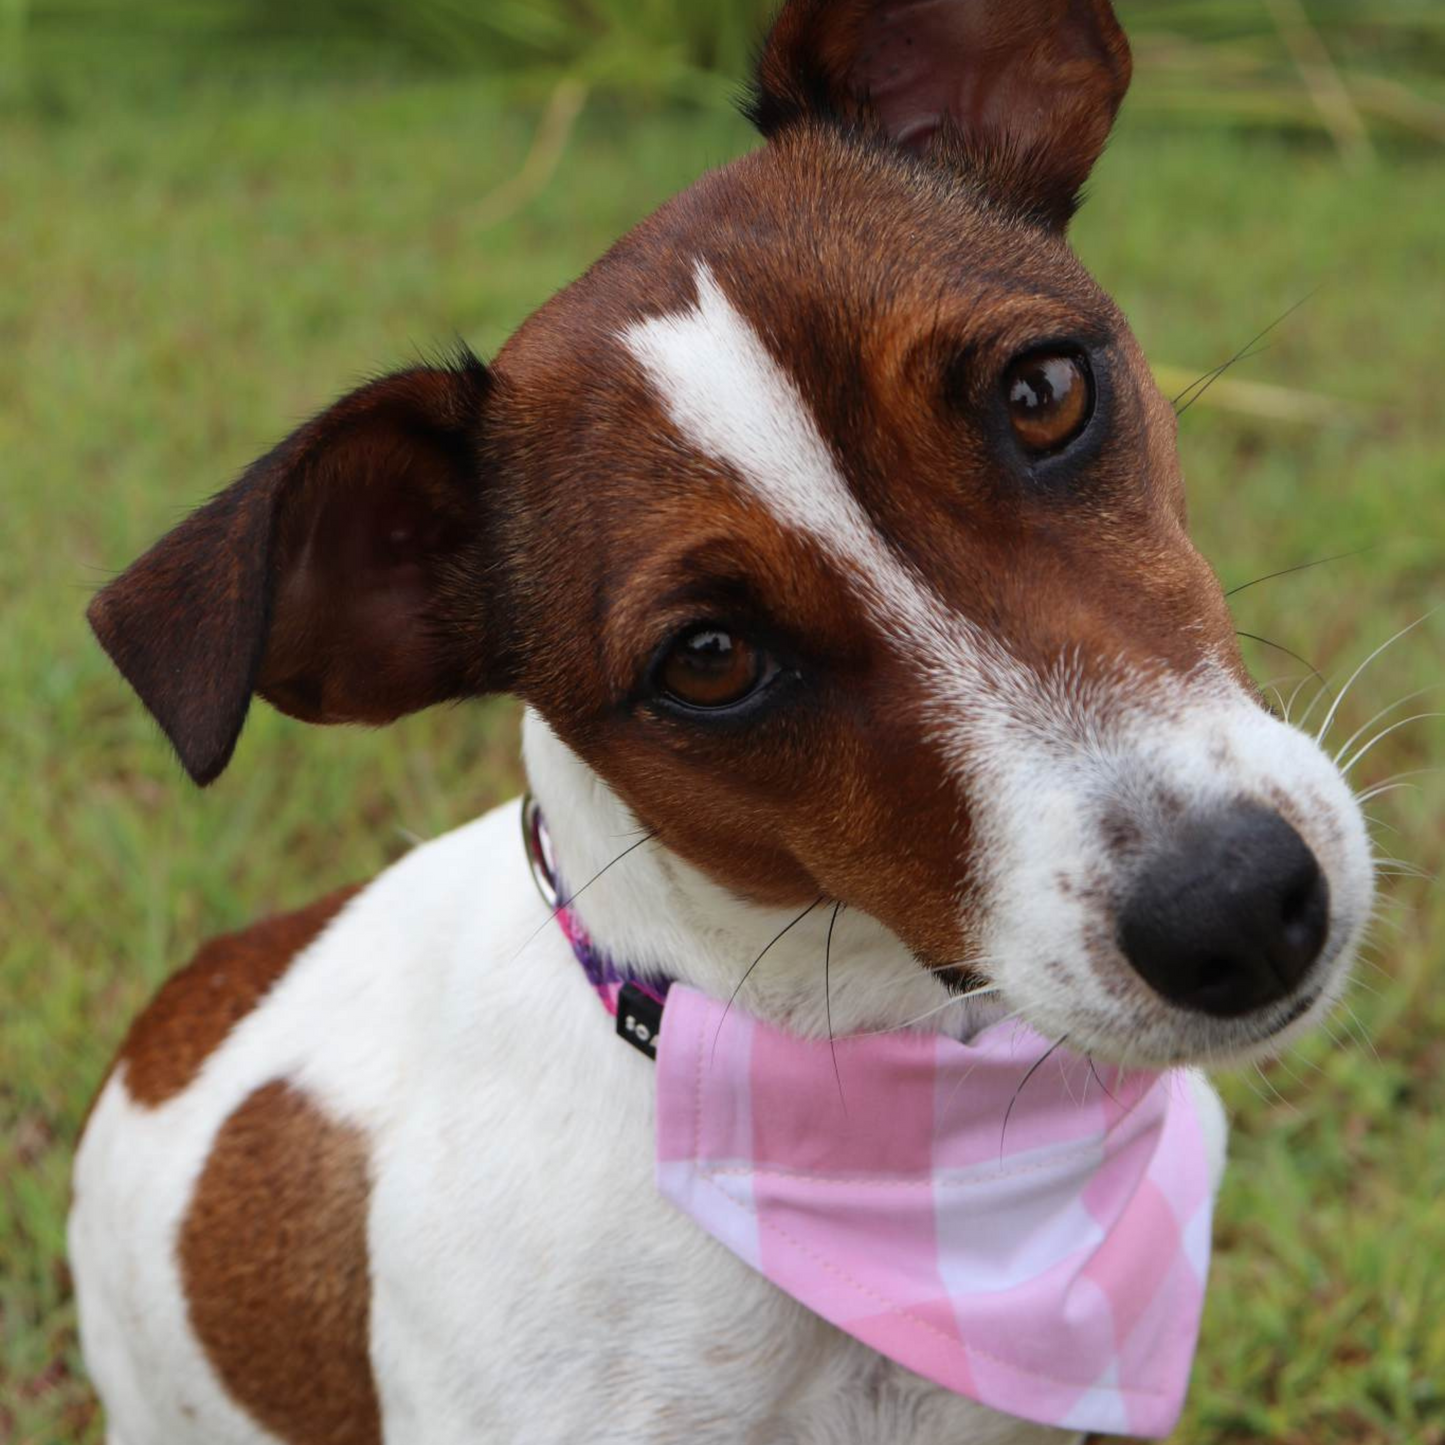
(1050, 397)
(712, 667)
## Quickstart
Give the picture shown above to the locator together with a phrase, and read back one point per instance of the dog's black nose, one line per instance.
(1230, 916)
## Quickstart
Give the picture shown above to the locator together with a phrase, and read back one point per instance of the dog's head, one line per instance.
(835, 520)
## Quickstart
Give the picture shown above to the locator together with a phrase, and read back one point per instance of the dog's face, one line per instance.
(835, 519)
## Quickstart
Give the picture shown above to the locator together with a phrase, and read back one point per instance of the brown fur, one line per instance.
(199, 1006)
(274, 1263)
(343, 532)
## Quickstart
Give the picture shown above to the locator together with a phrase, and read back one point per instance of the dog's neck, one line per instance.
(651, 911)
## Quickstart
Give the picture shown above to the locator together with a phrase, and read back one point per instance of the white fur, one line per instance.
(1043, 760)
(529, 1285)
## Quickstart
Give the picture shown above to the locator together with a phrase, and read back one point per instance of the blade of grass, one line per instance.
(1316, 68)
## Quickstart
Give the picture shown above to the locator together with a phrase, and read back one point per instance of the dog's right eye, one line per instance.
(710, 667)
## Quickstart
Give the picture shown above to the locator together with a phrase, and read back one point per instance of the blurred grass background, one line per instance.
(216, 214)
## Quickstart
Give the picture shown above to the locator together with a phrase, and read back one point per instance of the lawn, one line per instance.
(192, 265)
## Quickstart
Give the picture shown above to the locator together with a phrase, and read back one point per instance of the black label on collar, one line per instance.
(639, 1019)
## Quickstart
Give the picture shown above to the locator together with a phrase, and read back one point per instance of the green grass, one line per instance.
(191, 268)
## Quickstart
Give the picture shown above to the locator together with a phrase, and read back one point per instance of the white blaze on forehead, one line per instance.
(726, 395)
(730, 399)
(724, 392)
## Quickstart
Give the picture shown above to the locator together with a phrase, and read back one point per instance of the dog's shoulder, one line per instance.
(196, 1008)
(240, 1122)
(375, 942)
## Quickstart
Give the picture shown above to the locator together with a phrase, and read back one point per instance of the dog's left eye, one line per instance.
(1050, 398)
(710, 667)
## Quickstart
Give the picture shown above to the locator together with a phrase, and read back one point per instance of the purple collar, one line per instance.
(636, 1003)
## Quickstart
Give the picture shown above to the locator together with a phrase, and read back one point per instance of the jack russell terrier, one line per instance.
(895, 782)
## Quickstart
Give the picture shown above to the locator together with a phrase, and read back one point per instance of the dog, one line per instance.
(830, 529)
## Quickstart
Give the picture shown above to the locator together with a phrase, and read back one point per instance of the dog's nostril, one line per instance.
(1230, 915)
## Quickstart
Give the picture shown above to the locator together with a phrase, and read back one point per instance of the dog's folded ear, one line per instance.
(1022, 92)
(336, 577)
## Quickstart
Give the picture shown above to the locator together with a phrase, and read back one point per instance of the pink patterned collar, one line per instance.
(1042, 1251)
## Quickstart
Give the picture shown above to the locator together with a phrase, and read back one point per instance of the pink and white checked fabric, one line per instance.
(1054, 1270)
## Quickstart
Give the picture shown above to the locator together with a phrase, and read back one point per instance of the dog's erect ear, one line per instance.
(329, 578)
(1027, 89)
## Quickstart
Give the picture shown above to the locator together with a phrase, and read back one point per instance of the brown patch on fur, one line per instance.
(198, 1007)
(273, 1261)
(317, 580)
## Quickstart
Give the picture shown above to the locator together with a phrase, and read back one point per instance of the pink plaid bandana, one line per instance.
(1042, 1250)
(1054, 1270)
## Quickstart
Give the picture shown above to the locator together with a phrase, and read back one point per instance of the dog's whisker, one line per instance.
(1282, 1062)
(1391, 860)
(1359, 1024)
(1297, 1052)
(1098, 1079)
(1298, 567)
(1396, 781)
(948, 1003)
(1068, 1084)
(1280, 647)
(1273, 1088)
(1399, 864)
(1358, 673)
(1357, 982)
(1254, 1089)
(1389, 908)
(1395, 924)
(1294, 695)
(1203, 383)
(1343, 1044)
(1319, 695)
(567, 902)
(747, 972)
(1385, 788)
(1023, 1084)
(877, 988)
(1383, 734)
(1359, 732)
(1013, 1017)
(1406, 870)
(828, 1000)
(1243, 354)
